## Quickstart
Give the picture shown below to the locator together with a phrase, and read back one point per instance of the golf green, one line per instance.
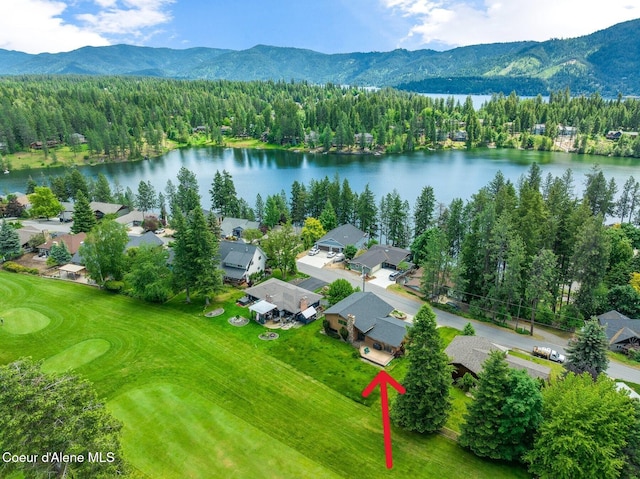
(22, 321)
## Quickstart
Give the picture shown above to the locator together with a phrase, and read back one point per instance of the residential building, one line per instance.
(233, 227)
(381, 256)
(468, 354)
(72, 242)
(275, 300)
(623, 333)
(338, 238)
(239, 260)
(101, 209)
(370, 325)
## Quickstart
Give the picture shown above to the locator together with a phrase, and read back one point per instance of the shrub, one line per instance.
(468, 330)
(344, 334)
(113, 285)
(276, 273)
(466, 382)
(18, 268)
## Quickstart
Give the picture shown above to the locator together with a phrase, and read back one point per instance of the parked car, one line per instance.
(331, 254)
(453, 305)
(394, 275)
(159, 231)
(313, 252)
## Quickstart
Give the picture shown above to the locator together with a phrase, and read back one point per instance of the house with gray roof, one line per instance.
(239, 260)
(233, 227)
(468, 354)
(101, 209)
(338, 238)
(622, 332)
(275, 299)
(368, 320)
(149, 238)
(380, 256)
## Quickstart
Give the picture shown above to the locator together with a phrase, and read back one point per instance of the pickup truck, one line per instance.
(548, 353)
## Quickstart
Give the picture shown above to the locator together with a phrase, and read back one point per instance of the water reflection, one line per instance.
(451, 173)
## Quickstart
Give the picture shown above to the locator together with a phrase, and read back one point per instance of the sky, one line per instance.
(327, 26)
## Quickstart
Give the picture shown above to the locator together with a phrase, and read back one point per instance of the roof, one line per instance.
(105, 208)
(72, 241)
(388, 330)
(71, 268)
(262, 307)
(148, 238)
(130, 217)
(365, 306)
(26, 233)
(379, 254)
(236, 257)
(619, 327)
(229, 224)
(371, 317)
(344, 235)
(472, 351)
(285, 295)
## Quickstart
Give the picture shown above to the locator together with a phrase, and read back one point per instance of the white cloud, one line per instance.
(127, 17)
(36, 26)
(470, 22)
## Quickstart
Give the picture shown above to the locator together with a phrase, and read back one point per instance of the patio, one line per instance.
(381, 358)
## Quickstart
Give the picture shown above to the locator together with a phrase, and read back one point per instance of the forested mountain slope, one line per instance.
(606, 61)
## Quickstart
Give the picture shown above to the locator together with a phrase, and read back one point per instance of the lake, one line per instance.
(451, 173)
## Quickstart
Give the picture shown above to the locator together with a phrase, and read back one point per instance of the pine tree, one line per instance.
(9, 242)
(83, 217)
(484, 415)
(426, 404)
(588, 351)
(59, 254)
(328, 217)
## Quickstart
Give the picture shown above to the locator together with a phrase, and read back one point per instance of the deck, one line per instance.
(381, 358)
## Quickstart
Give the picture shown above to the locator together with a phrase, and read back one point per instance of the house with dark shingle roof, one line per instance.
(102, 209)
(239, 260)
(368, 320)
(276, 299)
(468, 354)
(338, 238)
(149, 238)
(234, 227)
(71, 241)
(622, 332)
(380, 256)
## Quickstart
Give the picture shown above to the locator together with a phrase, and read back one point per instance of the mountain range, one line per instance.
(606, 61)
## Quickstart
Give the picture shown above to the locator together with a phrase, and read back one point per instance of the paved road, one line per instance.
(506, 337)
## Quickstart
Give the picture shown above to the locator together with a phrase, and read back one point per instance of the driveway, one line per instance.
(317, 261)
(382, 278)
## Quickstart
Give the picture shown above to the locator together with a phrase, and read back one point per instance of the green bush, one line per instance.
(276, 273)
(18, 268)
(113, 285)
(466, 382)
(344, 334)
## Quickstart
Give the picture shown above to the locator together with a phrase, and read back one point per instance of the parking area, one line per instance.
(317, 261)
(382, 278)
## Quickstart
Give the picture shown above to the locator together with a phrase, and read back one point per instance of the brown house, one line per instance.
(72, 242)
(370, 326)
(468, 354)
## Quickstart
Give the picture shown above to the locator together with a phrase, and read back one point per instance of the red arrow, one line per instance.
(382, 378)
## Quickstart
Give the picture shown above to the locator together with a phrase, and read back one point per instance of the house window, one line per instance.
(342, 322)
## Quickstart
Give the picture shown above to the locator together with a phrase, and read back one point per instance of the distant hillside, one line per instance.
(606, 61)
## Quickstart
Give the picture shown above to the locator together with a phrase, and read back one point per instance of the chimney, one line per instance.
(304, 304)
(351, 319)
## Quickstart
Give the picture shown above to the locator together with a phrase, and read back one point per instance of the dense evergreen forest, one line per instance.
(129, 118)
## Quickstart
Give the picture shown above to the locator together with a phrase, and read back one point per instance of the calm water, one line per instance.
(451, 173)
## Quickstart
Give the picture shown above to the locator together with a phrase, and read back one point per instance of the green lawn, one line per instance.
(200, 398)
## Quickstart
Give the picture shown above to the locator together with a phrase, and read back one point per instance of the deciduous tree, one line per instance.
(339, 290)
(282, 247)
(43, 203)
(103, 251)
(312, 231)
(585, 428)
(149, 276)
(46, 413)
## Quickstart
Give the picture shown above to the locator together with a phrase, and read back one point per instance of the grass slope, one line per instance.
(200, 398)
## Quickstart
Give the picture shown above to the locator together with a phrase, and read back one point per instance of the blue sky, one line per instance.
(329, 26)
